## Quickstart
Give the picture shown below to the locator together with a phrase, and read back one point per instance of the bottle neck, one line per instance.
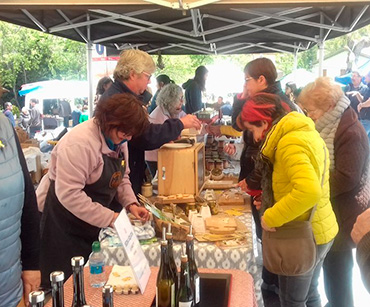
(185, 276)
(57, 291)
(78, 287)
(190, 249)
(107, 299)
(164, 256)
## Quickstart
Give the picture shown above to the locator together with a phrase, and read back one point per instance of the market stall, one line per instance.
(241, 291)
(238, 255)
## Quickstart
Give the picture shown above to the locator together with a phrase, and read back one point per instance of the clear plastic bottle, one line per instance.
(97, 266)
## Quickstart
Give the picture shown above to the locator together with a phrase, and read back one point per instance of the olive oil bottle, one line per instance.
(165, 289)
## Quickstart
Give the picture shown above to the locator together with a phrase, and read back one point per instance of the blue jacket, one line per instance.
(19, 219)
(10, 116)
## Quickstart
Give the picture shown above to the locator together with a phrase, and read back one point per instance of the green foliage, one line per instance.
(28, 56)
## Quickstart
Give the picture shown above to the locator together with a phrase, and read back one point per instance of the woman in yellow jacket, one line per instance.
(292, 164)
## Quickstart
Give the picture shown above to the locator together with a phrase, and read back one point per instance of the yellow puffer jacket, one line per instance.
(296, 151)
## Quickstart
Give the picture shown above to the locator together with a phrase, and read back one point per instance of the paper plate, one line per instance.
(177, 145)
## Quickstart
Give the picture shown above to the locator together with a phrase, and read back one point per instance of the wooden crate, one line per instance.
(181, 171)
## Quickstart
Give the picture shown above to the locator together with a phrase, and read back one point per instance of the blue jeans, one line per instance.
(337, 267)
(301, 291)
(366, 124)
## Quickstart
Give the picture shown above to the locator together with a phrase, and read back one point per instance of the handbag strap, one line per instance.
(322, 184)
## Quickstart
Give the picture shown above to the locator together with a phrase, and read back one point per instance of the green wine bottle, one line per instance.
(165, 290)
(185, 294)
(193, 269)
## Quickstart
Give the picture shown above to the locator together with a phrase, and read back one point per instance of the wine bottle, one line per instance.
(78, 281)
(185, 294)
(36, 299)
(165, 288)
(193, 269)
(57, 290)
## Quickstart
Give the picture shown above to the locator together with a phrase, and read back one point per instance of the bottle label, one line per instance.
(197, 289)
(173, 295)
(96, 269)
(186, 304)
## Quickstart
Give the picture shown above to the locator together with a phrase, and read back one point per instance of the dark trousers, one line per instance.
(66, 121)
(337, 269)
(301, 291)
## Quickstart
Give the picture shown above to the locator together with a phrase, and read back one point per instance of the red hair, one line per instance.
(263, 107)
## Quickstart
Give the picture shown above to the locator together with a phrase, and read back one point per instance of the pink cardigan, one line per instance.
(77, 161)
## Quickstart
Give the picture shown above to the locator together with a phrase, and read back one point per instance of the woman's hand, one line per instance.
(213, 130)
(361, 227)
(31, 282)
(230, 149)
(191, 121)
(257, 203)
(139, 212)
(265, 227)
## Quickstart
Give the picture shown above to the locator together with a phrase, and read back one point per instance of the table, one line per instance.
(207, 255)
(241, 292)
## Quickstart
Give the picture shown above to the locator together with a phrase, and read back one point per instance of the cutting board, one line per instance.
(221, 225)
(231, 199)
(176, 199)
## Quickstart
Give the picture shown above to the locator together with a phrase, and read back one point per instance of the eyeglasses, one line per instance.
(308, 112)
(147, 74)
(248, 79)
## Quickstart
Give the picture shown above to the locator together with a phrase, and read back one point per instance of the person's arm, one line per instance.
(306, 190)
(347, 172)
(363, 259)
(69, 184)
(158, 134)
(364, 104)
(30, 234)
(361, 236)
(230, 131)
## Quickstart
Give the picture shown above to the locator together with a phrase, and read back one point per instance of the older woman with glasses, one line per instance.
(338, 125)
(169, 105)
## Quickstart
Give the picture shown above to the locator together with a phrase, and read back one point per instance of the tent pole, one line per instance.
(295, 63)
(89, 47)
(321, 44)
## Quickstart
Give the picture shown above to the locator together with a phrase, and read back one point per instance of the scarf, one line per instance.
(327, 125)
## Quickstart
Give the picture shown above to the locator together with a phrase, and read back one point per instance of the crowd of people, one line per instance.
(303, 150)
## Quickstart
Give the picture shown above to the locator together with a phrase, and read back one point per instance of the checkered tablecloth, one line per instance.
(241, 292)
(208, 255)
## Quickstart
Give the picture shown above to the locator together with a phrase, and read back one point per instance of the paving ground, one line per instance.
(361, 296)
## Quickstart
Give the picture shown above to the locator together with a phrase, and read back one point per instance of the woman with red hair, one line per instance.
(293, 161)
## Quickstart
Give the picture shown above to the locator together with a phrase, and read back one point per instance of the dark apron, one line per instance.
(63, 235)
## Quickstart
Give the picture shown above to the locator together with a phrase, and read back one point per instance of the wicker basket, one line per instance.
(179, 232)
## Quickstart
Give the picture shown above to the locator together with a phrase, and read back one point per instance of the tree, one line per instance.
(29, 56)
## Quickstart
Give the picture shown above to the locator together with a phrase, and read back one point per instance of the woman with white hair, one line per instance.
(169, 105)
(346, 140)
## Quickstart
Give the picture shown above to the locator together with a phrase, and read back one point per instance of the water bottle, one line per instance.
(97, 266)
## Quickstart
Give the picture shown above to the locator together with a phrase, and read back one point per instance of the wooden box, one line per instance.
(181, 170)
